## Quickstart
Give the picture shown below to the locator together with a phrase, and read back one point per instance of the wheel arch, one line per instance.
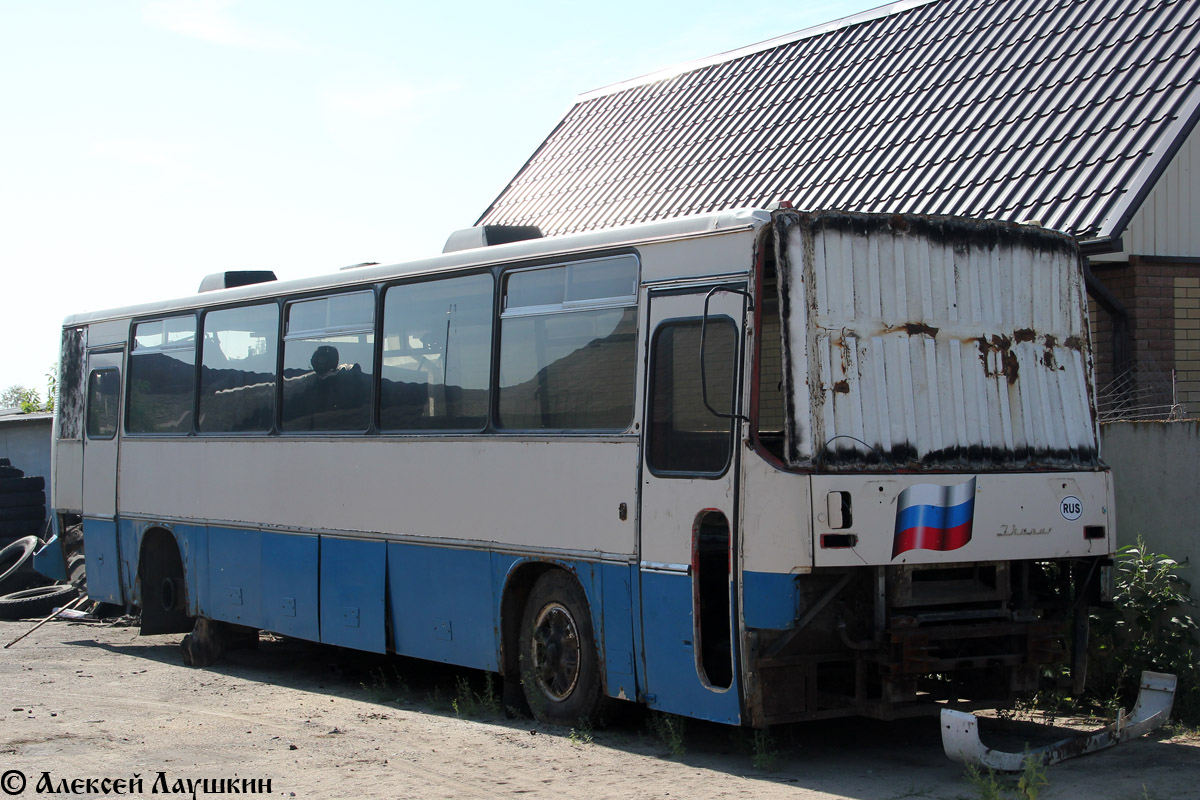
(163, 590)
(518, 585)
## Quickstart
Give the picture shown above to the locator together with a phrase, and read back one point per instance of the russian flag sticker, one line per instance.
(933, 517)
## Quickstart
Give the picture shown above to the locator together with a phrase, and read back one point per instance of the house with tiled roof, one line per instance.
(1077, 115)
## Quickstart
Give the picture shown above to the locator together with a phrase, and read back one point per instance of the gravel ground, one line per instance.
(94, 702)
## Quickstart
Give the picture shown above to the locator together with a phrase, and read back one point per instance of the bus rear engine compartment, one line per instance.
(896, 641)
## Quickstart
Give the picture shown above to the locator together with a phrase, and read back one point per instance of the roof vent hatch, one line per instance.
(231, 280)
(488, 235)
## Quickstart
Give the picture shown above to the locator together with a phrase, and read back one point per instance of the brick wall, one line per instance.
(1187, 341)
(1120, 281)
(1163, 302)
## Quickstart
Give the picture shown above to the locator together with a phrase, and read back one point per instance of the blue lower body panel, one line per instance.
(442, 604)
(673, 680)
(290, 604)
(49, 559)
(235, 576)
(616, 628)
(352, 593)
(261, 579)
(436, 603)
(103, 560)
(770, 600)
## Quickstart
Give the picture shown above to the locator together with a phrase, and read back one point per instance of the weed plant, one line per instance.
(387, 686)
(766, 753)
(668, 729)
(582, 733)
(993, 786)
(1148, 628)
(471, 704)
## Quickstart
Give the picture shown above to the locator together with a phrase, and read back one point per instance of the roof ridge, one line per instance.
(1066, 111)
(899, 6)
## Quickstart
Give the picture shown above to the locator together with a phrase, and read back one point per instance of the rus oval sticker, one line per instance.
(1071, 508)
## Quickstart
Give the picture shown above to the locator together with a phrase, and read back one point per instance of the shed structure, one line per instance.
(1078, 115)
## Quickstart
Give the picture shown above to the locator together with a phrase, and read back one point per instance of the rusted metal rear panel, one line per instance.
(72, 383)
(934, 343)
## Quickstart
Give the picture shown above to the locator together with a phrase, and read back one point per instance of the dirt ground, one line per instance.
(86, 701)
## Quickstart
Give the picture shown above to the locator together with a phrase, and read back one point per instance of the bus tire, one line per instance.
(560, 665)
(35, 602)
(12, 559)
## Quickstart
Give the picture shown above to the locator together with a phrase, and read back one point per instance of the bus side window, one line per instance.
(568, 345)
(328, 363)
(104, 392)
(162, 375)
(437, 347)
(237, 372)
(684, 436)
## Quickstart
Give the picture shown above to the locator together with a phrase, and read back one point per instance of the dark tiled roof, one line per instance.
(1060, 111)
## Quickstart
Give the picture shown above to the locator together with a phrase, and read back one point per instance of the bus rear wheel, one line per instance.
(560, 665)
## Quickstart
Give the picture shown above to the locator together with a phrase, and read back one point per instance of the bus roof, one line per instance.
(682, 227)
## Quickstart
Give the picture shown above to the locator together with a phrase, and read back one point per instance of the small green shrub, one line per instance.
(668, 729)
(469, 703)
(533, 695)
(489, 698)
(387, 686)
(582, 734)
(766, 753)
(993, 786)
(986, 784)
(464, 703)
(1148, 628)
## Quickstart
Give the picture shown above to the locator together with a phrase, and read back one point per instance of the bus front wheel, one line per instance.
(560, 666)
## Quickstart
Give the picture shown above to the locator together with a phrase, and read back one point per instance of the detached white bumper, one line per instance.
(960, 731)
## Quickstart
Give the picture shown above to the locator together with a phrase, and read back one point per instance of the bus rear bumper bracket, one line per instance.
(960, 731)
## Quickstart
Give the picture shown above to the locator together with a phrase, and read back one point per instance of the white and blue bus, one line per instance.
(751, 467)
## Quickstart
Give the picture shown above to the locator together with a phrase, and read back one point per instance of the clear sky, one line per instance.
(147, 143)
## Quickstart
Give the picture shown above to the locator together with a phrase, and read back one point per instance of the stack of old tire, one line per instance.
(23, 591)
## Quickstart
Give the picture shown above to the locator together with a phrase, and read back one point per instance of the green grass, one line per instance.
(668, 729)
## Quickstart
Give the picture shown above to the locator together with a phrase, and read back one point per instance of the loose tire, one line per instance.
(13, 558)
(35, 602)
(22, 513)
(22, 499)
(19, 528)
(35, 484)
(560, 666)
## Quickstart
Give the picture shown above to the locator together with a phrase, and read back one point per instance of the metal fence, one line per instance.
(1144, 392)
